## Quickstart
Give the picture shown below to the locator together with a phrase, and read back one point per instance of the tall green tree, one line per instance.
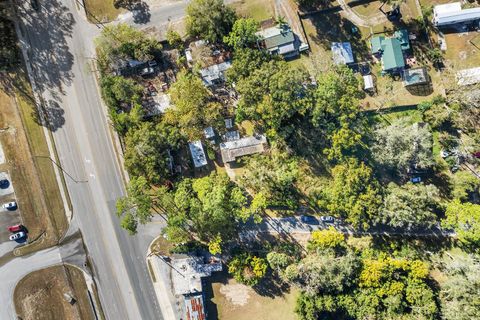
(146, 151)
(204, 209)
(209, 19)
(193, 106)
(409, 206)
(465, 219)
(245, 62)
(274, 176)
(242, 34)
(353, 194)
(336, 113)
(247, 268)
(400, 145)
(136, 207)
(122, 42)
(272, 95)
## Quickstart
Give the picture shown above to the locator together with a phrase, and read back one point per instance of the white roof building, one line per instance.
(468, 77)
(452, 13)
(209, 133)
(191, 270)
(368, 82)
(342, 52)
(198, 155)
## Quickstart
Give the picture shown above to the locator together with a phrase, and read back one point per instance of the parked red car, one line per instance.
(477, 154)
(15, 228)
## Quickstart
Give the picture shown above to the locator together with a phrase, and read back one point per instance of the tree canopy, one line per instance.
(146, 151)
(399, 146)
(465, 219)
(193, 106)
(273, 94)
(247, 268)
(242, 34)
(209, 19)
(409, 206)
(121, 42)
(353, 194)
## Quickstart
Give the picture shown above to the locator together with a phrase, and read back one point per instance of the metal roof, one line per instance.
(342, 52)
(276, 36)
(198, 155)
(231, 150)
(392, 56)
(415, 76)
(194, 309)
(215, 73)
(452, 13)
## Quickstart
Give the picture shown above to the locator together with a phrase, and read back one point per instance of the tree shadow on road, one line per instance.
(141, 12)
(46, 33)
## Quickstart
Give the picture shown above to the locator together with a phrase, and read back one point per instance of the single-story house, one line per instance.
(215, 74)
(452, 13)
(188, 283)
(342, 52)
(231, 150)
(198, 154)
(278, 40)
(390, 50)
(416, 76)
(468, 77)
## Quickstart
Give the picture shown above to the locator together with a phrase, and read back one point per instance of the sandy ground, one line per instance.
(41, 295)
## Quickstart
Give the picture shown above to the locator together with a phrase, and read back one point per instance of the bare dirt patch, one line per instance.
(40, 295)
(228, 299)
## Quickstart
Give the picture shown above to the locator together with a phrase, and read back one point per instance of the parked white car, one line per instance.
(10, 205)
(17, 236)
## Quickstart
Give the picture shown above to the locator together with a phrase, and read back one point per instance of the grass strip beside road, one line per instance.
(55, 211)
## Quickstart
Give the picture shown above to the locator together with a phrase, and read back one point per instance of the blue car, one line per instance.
(308, 219)
(416, 180)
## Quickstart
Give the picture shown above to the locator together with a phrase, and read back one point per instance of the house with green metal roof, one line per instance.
(279, 40)
(390, 50)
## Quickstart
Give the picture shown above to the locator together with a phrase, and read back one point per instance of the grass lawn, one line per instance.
(258, 10)
(461, 53)
(227, 299)
(55, 212)
(101, 10)
(40, 295)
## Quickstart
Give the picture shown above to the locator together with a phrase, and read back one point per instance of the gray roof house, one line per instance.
(278, 40)
(231, 150)
(215, 74)
(342, 52)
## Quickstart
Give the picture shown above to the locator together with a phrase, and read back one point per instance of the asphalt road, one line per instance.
(59, 43)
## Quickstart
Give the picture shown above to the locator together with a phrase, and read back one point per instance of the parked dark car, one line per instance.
(416, 180)
(4, 183)
(308, 219)
(35, 5)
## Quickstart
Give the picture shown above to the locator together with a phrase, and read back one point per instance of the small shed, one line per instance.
(209, 133)
(342, 52)
(198, 154)
(416, 76)
(368, 82)
(229, 123)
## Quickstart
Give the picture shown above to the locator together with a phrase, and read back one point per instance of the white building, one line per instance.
(198, 155)
(452, 13)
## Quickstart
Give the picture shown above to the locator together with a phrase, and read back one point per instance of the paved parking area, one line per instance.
(8, 217)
